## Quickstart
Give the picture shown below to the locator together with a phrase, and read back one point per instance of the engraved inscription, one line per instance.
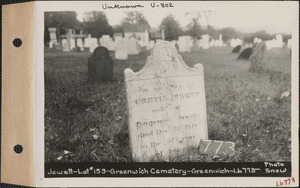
(166, 104)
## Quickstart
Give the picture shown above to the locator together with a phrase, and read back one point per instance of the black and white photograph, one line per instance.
(158, 83)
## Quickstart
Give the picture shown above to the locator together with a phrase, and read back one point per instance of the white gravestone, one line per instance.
(121, 50)
(166, 106)
(205, 41)
(66, 45)
(133, 46)
(79, 43)
(185, 43)
(91, 43)
(279, 41)
(104, 41)
(72, 44)
(53, 39)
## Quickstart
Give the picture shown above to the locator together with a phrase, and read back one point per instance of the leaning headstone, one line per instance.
(100, 65)
(166, 105)
(236, 49)
(257, 58)
(121, 50)
(245, 54)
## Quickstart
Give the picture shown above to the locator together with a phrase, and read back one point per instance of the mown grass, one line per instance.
(88, 121)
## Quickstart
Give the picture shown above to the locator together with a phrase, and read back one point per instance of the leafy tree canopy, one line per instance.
(96, 24)
(171, 27)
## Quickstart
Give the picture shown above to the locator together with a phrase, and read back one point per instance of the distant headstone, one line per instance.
(236, 49)
(105, 41)
(79, 43)
(133, 46)
(235, 42)
(91, 43)
(65, 45)
(195, 45)
(185, 43)
(205, 41)
(279, 41)
(53, 38)
(100, 65)
(245, 54)
(257, 58)
(72, 44)
(166, 105)
(121, 50)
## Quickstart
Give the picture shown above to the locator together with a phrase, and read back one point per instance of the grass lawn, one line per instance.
(87, 122)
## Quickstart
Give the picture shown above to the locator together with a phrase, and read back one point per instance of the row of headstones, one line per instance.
(122, 46)
(187, 44)
(274, 43)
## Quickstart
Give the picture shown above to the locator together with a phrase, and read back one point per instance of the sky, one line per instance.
(273, 17)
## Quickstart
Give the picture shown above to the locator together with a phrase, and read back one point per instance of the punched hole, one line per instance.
(18, 149)
(17, 42)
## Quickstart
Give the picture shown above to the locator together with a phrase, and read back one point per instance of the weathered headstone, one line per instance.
(100, 65)
(104, 41)
(121, 50)
(257, 58)
(166, 105)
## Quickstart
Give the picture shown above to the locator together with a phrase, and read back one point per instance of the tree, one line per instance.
(171, 27)
(229, 33)
(96, 24)
(134, 17)
(60, 21)
(207, 14)
(194, 26)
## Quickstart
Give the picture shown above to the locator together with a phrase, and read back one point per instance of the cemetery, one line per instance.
(135, 98)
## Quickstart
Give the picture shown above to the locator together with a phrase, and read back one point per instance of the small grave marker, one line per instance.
(166, 105)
